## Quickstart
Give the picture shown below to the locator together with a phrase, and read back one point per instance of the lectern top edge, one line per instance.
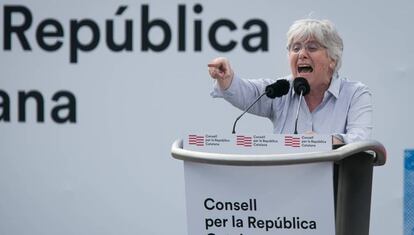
(345, 151)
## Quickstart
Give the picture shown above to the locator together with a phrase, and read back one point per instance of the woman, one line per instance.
(335, 105)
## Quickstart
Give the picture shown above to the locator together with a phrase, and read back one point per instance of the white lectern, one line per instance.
(281, 193)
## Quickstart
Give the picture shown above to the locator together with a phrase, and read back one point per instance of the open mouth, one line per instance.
(305, 69)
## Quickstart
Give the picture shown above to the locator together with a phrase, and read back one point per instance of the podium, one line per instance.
(210, 188)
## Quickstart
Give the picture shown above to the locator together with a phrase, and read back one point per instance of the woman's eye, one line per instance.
(311, 47)
(296, 48)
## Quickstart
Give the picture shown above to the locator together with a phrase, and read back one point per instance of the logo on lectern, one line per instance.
(197, 140)
(292, 141)
(245, 141)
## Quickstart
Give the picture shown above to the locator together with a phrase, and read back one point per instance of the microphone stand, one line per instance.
(245, 111)
(297, 112)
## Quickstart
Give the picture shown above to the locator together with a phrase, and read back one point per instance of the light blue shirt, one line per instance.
(345, 111)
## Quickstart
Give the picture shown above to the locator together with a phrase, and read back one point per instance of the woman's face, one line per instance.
(310, 60)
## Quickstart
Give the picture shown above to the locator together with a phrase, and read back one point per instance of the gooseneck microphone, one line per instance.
(277, 89)
(302, 88)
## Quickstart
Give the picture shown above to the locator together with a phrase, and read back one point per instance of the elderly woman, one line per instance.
(335, 105)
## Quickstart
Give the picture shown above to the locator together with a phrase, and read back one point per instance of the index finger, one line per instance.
(214, 65)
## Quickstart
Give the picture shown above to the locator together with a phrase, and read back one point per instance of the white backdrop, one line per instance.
(111, 172)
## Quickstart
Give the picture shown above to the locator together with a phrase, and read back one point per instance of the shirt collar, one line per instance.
(334, 86)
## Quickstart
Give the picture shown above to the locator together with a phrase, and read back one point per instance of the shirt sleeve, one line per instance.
(359, 119)
(242, 92)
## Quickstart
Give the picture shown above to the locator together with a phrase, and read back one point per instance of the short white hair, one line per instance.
(324, 32)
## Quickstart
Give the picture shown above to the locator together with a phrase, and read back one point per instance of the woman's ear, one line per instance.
(332, 65)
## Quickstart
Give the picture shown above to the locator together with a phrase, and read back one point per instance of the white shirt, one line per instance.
(345, 111)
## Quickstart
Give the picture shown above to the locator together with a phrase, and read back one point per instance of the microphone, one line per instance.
(277, 89)
(302, 88)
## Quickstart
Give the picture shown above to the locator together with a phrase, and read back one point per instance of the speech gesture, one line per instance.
(219, 69)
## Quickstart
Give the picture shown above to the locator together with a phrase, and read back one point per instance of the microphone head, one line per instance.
(278, 89)
(301, 85)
